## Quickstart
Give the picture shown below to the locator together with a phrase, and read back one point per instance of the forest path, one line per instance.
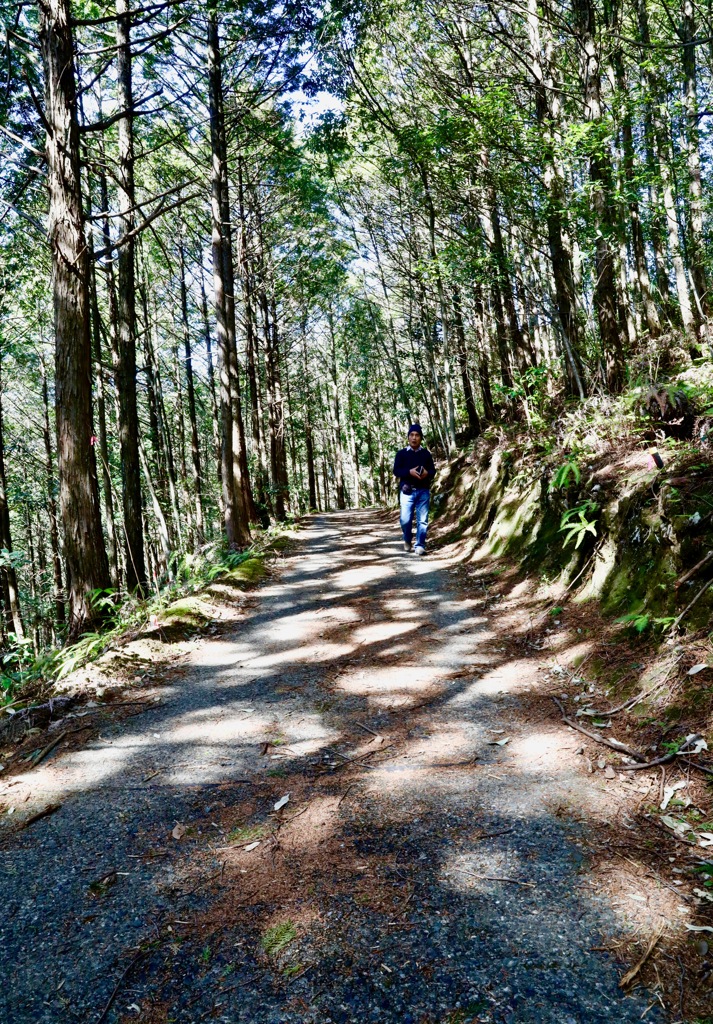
(435, 877)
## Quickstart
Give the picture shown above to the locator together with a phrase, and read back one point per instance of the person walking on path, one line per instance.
(414, 468)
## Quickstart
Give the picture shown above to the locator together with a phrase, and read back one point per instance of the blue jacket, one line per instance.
(408, 459)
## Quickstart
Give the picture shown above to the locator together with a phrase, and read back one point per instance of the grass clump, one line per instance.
(276, 938)
(247, 834)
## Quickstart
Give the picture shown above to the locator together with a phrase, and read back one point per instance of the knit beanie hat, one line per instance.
(415, 429)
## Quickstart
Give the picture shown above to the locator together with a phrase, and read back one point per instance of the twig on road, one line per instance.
(118, 985)
(367, 729)
(48, 749)
(497, 878)
(38, 815)
(630, 975)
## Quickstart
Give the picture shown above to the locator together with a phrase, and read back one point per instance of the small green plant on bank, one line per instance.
(575, 524)
(640, 621)
(567, 470)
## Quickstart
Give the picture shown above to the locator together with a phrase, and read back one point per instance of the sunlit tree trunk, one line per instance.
(51, 483)
(237, 526)
(85, 551)
(696, 253)
(548, 112)
(660, 127)
(12, 617)
(607, 299)
(125, 370)
(191, 397)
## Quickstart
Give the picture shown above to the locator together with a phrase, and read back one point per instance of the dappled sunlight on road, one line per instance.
(387, 707)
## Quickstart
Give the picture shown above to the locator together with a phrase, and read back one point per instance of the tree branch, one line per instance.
(107, 250)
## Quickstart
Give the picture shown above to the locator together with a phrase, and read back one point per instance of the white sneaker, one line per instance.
(419, 550)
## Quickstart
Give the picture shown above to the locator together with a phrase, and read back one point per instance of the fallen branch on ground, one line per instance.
(630, 975)
(632, 701)
(666, 759)
(617, 745)
(48, 749)
(497, 878)
(38, 815)
(118, 985)
(692, 572)
(367, 729)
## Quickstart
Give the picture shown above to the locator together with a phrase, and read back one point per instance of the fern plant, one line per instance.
(576, 525)
(567, 469)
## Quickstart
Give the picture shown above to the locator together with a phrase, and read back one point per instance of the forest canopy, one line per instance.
(243, 245)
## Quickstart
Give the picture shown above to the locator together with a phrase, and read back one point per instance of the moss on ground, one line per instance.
(188, 611)
(250, 571)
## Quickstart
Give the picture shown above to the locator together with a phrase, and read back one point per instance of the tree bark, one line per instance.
(696, 252)
(237, 526)
(107, 488)
(85, 551)
(660, 128)
(12, 617)
(191, 396)
(51, 483)
(125, 369)
(548, 112)
(473, 418)
(651, 315)
(606, 292)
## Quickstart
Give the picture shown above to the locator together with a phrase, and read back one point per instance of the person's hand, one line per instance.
(415, 472)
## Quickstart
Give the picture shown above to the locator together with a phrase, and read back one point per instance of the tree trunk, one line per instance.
(548, 112)
(473, 418)
(85, 552)
(59, 605)
(450, 417)
(696, 252)
(107, 487)
(660, 127)
(8, 576)
(651, 315)
(211, 386)
(606, 293)
(236, 522)
(191, 395)
(125, 370)
(335, 416)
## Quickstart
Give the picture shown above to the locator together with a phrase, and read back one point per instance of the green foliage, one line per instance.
(228, 562)
(640, 621)
(276, 938)
(19, 668)
(567, 469)
(247, 834)
(576, 526)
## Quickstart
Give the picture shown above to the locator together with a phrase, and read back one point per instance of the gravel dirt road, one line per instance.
(432, 864)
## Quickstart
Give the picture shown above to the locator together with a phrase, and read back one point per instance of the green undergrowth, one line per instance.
(180, 607)
(615, 544)
(579, 498)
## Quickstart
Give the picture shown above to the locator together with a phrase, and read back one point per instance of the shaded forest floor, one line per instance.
(450, 851)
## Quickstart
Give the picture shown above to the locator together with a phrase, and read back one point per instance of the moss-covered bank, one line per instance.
(624, 529)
